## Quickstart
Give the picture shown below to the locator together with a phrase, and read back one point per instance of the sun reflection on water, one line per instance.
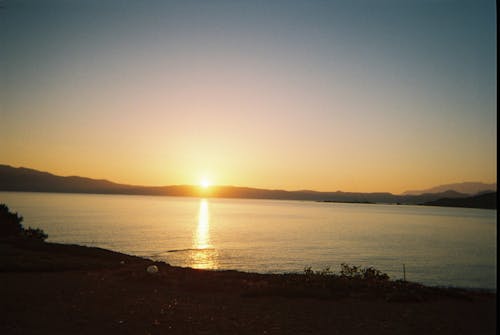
(203, 256)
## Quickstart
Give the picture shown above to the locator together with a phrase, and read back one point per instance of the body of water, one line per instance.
(438, 245)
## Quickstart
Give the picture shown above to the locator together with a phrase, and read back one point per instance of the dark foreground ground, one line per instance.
(60, 289)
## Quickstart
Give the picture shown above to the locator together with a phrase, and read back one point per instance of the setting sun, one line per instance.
(205, 183)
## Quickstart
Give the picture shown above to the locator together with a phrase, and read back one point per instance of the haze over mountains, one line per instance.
(29, 180)
(466, 188)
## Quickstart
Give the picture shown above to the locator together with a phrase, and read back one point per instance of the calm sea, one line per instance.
(439, 246)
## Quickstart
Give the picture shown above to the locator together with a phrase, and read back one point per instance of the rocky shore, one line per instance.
(49, 288)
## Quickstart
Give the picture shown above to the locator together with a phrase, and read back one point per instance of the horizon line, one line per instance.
(240, 186)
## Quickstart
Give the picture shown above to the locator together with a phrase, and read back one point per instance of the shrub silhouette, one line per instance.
(10, 223)
(371, 273)
(11, 227)
(35, 233)
(355, 272)
(348, 272)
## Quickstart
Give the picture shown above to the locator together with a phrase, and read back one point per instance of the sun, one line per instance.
(205, 183)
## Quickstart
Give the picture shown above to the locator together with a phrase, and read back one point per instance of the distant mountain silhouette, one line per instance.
(29, 180)
(486, 200)
(469, 188)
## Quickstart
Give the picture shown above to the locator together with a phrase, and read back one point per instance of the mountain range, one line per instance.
(30, 180)
(470, 188)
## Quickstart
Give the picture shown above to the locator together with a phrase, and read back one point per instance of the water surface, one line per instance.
(438, 245)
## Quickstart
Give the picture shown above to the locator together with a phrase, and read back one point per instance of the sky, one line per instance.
(351, 95)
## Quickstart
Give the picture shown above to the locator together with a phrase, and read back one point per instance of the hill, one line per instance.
(29, 180)
(486, 201)
(469, 188)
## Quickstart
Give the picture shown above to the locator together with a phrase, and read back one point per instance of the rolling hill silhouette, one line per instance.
(30, 180)
(470, 188)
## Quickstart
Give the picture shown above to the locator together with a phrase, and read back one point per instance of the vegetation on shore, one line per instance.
(11, 227)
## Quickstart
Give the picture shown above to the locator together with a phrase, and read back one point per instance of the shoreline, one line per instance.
(437, 202)
(59, 288)
(110, 254)
(272, 273)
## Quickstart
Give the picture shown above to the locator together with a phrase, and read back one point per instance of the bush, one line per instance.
(355, 272)
(10, 223)
(11, 227)
(374, 274)
(36, 233)
(349, 271)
